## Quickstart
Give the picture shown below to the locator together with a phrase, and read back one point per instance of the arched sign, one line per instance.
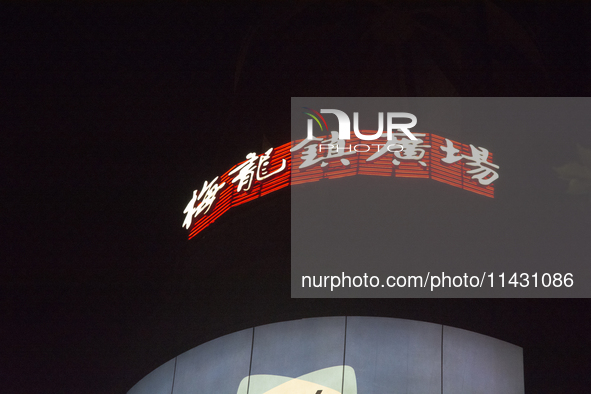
(428, 156)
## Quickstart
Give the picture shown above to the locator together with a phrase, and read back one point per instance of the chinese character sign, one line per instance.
(468, 167)
(257, 176)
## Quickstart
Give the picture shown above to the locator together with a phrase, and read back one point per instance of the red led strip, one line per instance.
(452, 174)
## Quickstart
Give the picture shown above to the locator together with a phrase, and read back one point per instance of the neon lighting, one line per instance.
(430, 156)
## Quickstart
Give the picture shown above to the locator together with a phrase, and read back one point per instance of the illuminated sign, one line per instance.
(343, 355)
(309, 160)
(324, 381)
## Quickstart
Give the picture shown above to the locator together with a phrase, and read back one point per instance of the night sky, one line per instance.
(111, 116)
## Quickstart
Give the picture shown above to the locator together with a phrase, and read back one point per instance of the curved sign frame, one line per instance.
(302, 161)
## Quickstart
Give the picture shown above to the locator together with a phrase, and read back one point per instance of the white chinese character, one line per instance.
(207, 197)
(334, 147)
(262, 168)
(409, 149)
(246, 172)
(249, 170)
(482, 172)
(450, 151)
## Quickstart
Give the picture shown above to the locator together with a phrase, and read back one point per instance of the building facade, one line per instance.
(348, 355)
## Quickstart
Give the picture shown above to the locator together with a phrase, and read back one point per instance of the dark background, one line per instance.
(111, 115)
